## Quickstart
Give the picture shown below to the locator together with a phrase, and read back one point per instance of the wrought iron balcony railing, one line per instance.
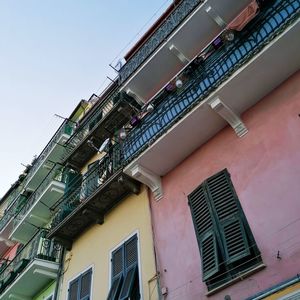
(108, 117)
(160, 35)
(83, 187)
(201, 79)
(38, 247)
(13, 207)
(55, 174)
(12, 210)
(65, 128)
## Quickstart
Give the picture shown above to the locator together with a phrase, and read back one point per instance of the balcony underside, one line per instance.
(93, 209)
(37, 275)
(39, 214)
(119, 115)
(194, 34)
(250, 83)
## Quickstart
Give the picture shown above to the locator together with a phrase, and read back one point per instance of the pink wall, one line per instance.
(11, 252)
(265, 170)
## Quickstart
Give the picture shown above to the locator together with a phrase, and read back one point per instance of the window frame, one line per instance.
(80, 274)
(139, 273)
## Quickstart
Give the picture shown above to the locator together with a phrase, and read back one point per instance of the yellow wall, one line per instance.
(290, 289)
(94, 246)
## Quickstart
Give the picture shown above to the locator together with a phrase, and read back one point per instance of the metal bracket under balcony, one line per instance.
(111, 120)
(92, 209)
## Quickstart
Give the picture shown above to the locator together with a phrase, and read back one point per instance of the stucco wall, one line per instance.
(265, 170)
(94, 246)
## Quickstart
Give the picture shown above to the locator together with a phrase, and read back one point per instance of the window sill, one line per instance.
(241, 276)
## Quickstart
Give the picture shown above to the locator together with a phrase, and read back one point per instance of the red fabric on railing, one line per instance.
(244, 17)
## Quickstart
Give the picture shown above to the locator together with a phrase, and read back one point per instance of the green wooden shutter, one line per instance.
(131, 252)
(73, 289)
(115, 288)
(229, 216)
(204, 228)
(85, 285)
(129, 283)
(117, 262)
(209, 255)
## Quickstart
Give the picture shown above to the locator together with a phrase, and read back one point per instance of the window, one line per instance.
(227, 246)
(80, 288)
(124, 266)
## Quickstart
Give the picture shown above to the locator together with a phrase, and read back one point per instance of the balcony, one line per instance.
(187, 117)
(6, 222)
(91, 197)
(108, 117)
(178, 36)
(35, 211)
(51, 154)
(35, 265)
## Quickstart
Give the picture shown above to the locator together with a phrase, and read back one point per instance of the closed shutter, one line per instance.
(131, 253)
(227, 212)
(85, 286)
(209, 255)
(204, 228)
(73, 290)
(117, 262)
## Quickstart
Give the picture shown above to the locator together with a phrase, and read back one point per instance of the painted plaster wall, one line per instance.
(94, 246)
(46, 293)
(265, 170)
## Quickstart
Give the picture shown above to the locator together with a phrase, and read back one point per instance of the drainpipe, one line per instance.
(60, 272)
(156, 259)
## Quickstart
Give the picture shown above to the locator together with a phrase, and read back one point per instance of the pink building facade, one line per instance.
(265, 169)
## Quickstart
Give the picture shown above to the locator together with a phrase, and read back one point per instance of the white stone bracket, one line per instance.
(179, 54)
(228, 115)
(148, 178)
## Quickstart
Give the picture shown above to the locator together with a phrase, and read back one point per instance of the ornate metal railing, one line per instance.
(37, 248)
(55, 174)
(12, 210)
(202, 79)
(83, 187)
(92, 121)
(158, 37)
(65, 128)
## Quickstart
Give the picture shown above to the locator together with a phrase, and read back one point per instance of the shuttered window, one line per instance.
(80, 288)
(226, 244)
(125, 281)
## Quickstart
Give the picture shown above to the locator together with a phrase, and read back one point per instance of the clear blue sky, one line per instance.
(53, 53)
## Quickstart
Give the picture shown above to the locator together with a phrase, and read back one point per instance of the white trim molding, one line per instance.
(229, 116)
(146, 177)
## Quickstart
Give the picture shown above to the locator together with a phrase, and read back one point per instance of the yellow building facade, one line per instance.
(94, 247)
